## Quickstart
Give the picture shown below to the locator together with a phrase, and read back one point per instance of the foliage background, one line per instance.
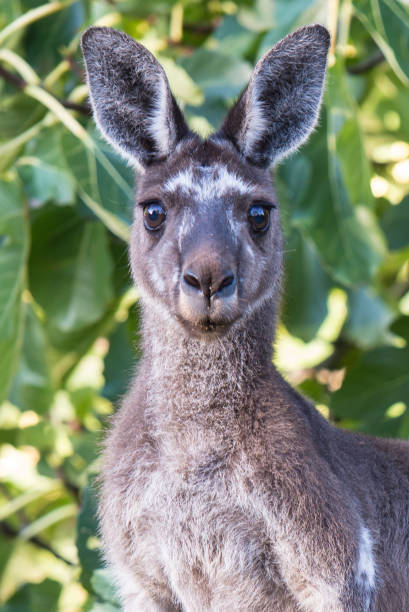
(68, 313)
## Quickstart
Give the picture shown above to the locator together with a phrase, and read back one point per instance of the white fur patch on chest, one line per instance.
(366, 573)
(207, 183)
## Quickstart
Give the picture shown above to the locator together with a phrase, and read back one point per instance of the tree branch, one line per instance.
(11, 78)
(21, 84)
(201, 28)
(74, 490)
(13, 533)
(367, 64)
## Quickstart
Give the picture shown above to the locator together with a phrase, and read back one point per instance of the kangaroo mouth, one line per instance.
(210, 326)
(206, 317)
(205, 327)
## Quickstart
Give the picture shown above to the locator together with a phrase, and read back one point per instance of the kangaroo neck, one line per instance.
(198, 386)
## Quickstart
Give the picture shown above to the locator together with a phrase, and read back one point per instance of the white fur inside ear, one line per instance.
(159, 124)
(281, 105)
(256, 125)
(131, 159)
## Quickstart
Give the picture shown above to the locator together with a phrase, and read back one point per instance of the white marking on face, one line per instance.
(234, 224)
(249, 251)
(366, 564)
(231, 181)
(156, 279)
(186, 225)
(259, 302)
(156, 305)
(175, 277)
(183, 180)
(207, 183)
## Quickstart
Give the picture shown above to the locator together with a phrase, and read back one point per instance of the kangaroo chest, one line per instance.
(206, 532)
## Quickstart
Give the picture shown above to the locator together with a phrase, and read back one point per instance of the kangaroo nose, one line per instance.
(221, 284)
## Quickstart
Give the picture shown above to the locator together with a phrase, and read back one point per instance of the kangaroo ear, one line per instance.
(280, 106)
(130, 96)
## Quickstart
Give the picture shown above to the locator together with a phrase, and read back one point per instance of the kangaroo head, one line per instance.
(206, 240)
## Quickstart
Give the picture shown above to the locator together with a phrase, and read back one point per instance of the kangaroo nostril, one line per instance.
(216, 284)
(192, 280)
(226, 286)
(226, 282)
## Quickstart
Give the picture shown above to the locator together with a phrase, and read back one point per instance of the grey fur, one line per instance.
(279, 108)
(126, 85)
(222, 488)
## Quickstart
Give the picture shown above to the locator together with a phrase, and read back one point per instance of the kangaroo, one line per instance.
(223, 489)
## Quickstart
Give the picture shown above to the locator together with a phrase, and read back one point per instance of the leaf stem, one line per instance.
(20, 65)
(34, 15)
(28, 77)
(24, 137)
(345, 16)
(58, 109)
(333, 24)
(176, 23)
(22, 500)
(42, 523)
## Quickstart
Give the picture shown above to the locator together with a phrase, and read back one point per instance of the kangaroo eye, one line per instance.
(259, 217)
(154, 215)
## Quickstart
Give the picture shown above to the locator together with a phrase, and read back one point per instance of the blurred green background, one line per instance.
(68, 313)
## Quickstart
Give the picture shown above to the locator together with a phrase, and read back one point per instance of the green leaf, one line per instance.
(211, 114)
(306, 288)
(32, 386)
(35, 597)
(345, 141)
(377, 381)
(312, 185)
(14, 245)
(103, 586)
(259, 16)
(42, 436)
(181, 84)
(69, 347)
(45, 521)
(369, 318)
(44, 170)
(395, 224)
(7, 547)
(103, 607)
(388, 23)
(86, 448)
(103, 180)
(232, 38)
(119, 362)
(290, 15)
(17, 113)
(87, 530)
(46, 37)
(220, 76)
(74, 287)
(10, 10)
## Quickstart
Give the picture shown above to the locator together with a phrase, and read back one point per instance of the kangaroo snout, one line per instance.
(208, 289)
(211, 283)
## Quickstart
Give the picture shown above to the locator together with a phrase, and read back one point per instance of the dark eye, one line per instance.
(259, 217)
(154, 215)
